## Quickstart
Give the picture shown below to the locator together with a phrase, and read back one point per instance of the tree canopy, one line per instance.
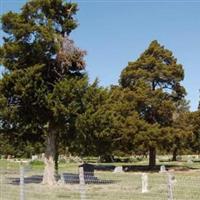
(155, 79)
(41, 63)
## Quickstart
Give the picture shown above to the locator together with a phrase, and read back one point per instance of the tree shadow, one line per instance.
(88, 178)
(128, 168)
(35, 179)
(144, 168)
(65, 178)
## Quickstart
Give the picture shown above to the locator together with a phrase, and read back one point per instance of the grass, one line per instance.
(106, 185)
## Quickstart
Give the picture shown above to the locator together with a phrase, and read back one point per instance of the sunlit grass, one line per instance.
(106, 185)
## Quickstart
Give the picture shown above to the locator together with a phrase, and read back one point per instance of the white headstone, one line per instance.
(118, 169)
(62, 179)
(43, 156)
(170, 185)
(81, 176)
(162, 169)
(82, 184)
(144, 183)
(34, 157)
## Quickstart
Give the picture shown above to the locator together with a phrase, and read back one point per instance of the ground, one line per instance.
(104, 185)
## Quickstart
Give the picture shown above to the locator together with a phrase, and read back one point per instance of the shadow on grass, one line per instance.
(66, 178)
(128, 168)
(145, 168)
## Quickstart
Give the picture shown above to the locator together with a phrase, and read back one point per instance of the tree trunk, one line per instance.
(175, 153)
(49, 170)
(56, 158)
(152, 157)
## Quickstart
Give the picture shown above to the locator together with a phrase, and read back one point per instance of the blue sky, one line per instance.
(115, 32)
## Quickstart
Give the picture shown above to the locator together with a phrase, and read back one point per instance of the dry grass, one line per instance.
(105, 185)
(108, 186)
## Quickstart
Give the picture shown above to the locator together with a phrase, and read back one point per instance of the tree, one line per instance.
(126, 123)
(182, 133)
(40, 61)
(109, 123)
(194, 121)
(21, 143)
(182, 130)
(94, 126)
(155, 80)
(194, 142)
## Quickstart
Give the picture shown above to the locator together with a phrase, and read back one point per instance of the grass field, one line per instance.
(105, 185)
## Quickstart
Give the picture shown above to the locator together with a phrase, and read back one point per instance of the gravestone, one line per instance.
(170, 186)
(162, 169)
(34, 157)
(43, 156)
(144, 183)
(62, 179)
(88, 169)
(82, 182)
(118, 169)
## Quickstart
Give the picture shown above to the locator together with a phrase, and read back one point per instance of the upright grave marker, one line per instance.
(170, 186)
(144, 183)
(82, 183)
(22, 183)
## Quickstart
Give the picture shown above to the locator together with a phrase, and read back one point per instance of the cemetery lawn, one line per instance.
(109, 186)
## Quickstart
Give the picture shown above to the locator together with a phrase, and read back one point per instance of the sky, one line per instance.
(114, 32)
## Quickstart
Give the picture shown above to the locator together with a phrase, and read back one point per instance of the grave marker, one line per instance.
(118, 169)
(144, 183)
(162, 169)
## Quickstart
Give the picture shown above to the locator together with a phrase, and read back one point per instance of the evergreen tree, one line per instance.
(109, 124)
(155, 80)
(126, 123)
(43, 72)
(21, 142)
(194, 142)
(94, 126)
(194, 119)
(182, 130)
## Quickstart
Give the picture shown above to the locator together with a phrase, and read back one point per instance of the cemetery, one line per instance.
(117, 121)
(94, 181)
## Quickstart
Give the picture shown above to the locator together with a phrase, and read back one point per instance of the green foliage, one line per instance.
(44, 74)
(94, 125)
(154, 79)
(194, 142)
(44, 88)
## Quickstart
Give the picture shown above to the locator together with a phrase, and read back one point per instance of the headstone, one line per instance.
(62, 179)
(88, 169)
(22, 183)
(162, 169)
(34, 157)
(144, 183)
(125, 169)
(81, 176)
(170, 187)
(43, 156)
(82, 183)
(118, 169)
